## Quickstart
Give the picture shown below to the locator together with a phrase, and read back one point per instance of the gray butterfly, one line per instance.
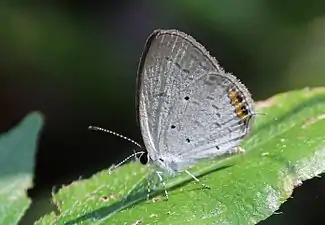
(188, 107)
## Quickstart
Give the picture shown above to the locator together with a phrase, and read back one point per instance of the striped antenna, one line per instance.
(135, 154)
(114, 133)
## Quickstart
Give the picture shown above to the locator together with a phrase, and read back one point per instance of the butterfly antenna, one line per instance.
(114, 133)
(135, 154)
(125, 160)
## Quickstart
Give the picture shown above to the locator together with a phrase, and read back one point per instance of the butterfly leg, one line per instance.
(162, 182)
(148, 189)
(196, 179)
(236, 150)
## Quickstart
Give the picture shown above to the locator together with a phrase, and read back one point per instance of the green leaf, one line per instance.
(17, 159)
(286, 147)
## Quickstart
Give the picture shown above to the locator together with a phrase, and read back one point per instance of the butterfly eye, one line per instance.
(144, 158)
(160, 159)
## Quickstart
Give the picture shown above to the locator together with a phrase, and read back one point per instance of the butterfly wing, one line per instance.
(188, 107)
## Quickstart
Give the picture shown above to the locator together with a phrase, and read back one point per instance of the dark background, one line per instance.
(76, 62)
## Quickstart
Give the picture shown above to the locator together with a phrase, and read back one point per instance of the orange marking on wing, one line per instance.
(236, 100)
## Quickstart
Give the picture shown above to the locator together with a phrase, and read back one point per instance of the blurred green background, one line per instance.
(76, 62)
